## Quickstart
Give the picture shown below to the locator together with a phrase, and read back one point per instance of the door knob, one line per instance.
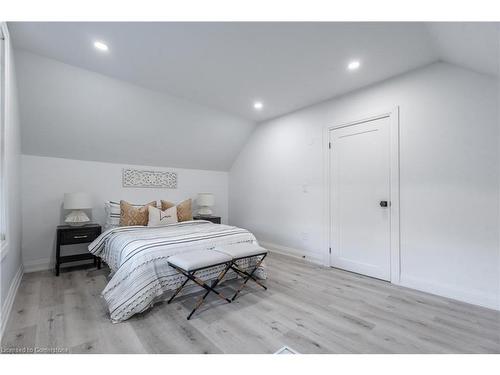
(383, 203)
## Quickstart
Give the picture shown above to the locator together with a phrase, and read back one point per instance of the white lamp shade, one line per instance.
(77, 201)
(205, 199)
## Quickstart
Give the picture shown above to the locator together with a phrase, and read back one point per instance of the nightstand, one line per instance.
(213, 219)
(68, 235)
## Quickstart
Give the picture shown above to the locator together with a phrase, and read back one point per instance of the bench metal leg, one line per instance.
(178, 290)
(249, 276)
(211, 289)
(203, 284)
(244, 274)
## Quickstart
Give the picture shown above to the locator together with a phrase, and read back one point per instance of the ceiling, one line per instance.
(285, 65)
(473, 45)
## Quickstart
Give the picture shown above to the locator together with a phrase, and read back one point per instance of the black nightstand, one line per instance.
(68, 235)
(213, 219)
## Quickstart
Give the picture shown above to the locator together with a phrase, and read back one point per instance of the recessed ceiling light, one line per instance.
(353, 65)
(258, 105)
(101, 46)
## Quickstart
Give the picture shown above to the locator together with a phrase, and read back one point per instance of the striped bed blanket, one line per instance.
(137, 257)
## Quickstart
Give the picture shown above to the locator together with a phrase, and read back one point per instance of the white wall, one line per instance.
(10, 256)
(449, 179)
(46, 179)
(74, 113)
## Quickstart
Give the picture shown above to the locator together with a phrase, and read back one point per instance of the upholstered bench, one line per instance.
(243, 251)
(193, 261)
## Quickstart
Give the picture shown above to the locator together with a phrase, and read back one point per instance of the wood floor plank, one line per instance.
(311, 308)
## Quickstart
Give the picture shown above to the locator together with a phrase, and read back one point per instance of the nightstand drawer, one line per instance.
(78, 236)
(67, 235)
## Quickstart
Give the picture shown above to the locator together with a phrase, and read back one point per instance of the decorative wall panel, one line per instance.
(149, 179)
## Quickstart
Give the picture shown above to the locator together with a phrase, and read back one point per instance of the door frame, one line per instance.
(395, 235)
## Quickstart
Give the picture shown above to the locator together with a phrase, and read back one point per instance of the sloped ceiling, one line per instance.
(204, 77)
(472, 45)
(229, 65)
(73, 113)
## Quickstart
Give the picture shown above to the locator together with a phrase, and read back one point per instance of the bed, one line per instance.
(137, 256)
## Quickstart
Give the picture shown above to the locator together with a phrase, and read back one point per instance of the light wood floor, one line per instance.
(312, 309)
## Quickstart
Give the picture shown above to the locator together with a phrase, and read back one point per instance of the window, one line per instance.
(3, 182)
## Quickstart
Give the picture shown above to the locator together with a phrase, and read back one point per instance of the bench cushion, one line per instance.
(241, 250)
(197, 259)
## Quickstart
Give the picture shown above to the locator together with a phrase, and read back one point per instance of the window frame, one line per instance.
(4, 230)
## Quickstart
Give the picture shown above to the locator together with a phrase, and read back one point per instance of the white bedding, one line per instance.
(138, 256)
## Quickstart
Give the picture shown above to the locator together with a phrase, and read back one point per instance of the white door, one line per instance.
(359, 191)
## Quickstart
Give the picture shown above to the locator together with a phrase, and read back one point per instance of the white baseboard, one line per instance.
(290, 251)
(37, 265)
(489, 300)
(9, 301)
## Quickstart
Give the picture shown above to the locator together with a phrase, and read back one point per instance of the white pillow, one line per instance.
(159, 217)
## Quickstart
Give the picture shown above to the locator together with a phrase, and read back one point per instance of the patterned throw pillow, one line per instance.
(184, 211)
(130, 215)
(112, 209)
(159, 217)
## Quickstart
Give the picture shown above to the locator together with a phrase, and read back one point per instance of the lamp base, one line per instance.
(77, 218)
(205, 211)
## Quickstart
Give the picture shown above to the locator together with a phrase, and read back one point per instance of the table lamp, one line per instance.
(77, 202)
(205, 201)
